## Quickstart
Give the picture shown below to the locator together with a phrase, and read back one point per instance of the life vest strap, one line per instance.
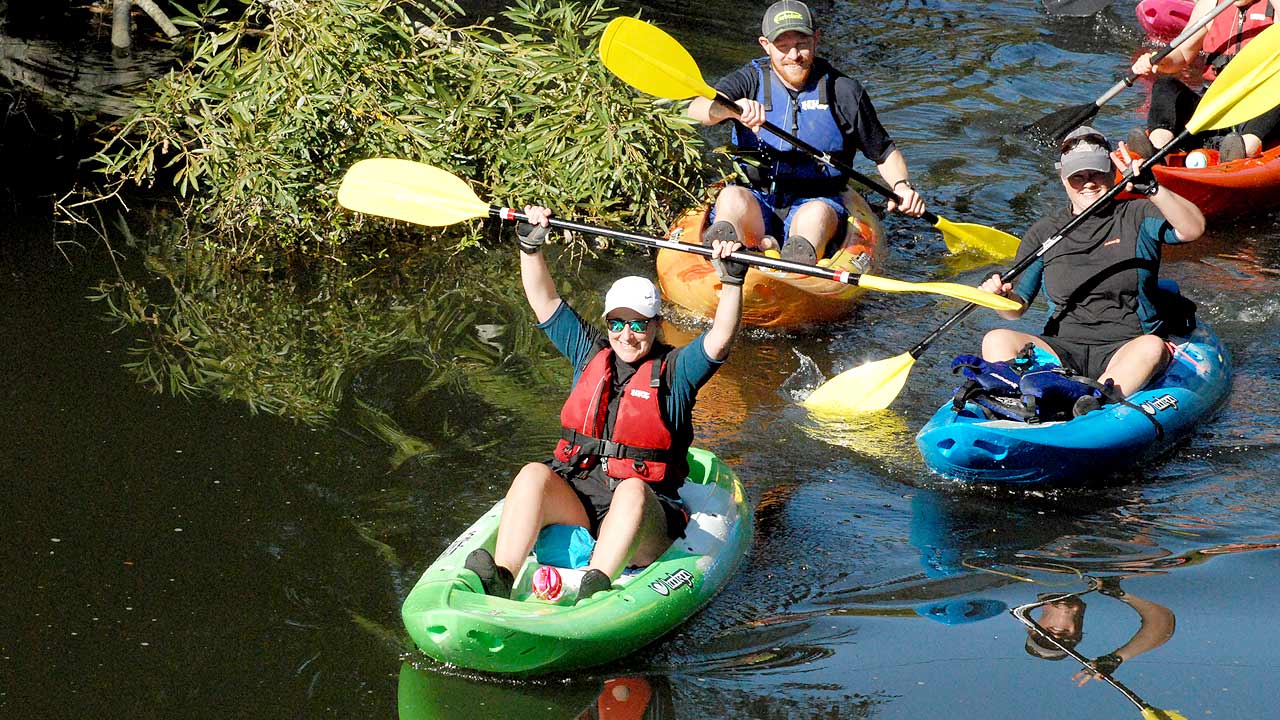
(589, 445)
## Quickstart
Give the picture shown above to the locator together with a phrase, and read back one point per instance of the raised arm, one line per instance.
(1187, 220)
(539, 287)
(724, 326)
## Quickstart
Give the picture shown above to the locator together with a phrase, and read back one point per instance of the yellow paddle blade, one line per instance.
(1151, 713)
(955, 290)
(871, 386)
(409, 191)
(969, 236)
(651, 61)
(1246, 88)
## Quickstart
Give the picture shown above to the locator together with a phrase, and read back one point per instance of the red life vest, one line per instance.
(640, 445)
(1231, 31)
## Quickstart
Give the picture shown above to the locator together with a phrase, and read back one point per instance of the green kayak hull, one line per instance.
(451, 620)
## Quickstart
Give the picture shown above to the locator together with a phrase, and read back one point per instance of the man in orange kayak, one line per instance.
(626, 427)
(1173, 103)
(1107, 317)
(789, 194)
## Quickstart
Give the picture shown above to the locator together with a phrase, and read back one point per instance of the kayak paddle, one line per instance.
(426, 195)
(1021, 613)
(1246, 88)
(1057, 124)
(648, 59)
(1076, 8)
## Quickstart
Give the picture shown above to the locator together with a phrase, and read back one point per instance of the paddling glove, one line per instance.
(1107, 664)
(1145, 184)
(531, 237)
(731, 272)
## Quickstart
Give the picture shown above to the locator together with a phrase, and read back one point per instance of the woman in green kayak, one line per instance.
(625, 429)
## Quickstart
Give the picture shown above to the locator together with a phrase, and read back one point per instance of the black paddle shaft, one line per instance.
(1024, 263)
(823, 157)
(841, 276)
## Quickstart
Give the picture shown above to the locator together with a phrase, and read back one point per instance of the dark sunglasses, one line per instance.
(1092, 139)
(637, 326)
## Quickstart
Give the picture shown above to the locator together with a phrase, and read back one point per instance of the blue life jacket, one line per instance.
(1029, 388)
(810, 116)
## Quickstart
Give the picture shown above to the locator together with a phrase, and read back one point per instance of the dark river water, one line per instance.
(174, 558)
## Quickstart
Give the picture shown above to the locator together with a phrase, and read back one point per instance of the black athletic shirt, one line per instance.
(1101, 279)
(854, 112)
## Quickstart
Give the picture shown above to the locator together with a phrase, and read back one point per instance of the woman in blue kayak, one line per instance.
(625, 429)
(1105, 319)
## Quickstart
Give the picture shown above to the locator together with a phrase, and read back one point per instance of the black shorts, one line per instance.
(596, 494)
(1088, 360)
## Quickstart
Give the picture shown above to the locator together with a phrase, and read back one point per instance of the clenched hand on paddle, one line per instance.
(426, 195)
(1246, 88)
(653, 62)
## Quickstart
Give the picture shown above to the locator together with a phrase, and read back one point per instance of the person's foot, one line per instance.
(497, 580)
(1139, 143)
(800, 250)
(1231, 148)
(593, 581)
(1085, 404)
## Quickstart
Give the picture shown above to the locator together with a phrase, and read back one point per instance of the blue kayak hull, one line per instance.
(1085, 450)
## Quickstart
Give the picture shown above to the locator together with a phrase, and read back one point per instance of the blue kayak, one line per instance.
(968, 446)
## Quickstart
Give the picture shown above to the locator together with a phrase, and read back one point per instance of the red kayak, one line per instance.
(1164, 19)
(1222, 190)
(1225, 190)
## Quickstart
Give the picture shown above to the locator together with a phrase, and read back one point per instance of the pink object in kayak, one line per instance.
(547, 584)
(1164, 19)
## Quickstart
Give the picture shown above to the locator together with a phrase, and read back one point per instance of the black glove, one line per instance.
(1107, 664)
(732, 272)
(1145, 183)
(1110, 586)
(531, 237)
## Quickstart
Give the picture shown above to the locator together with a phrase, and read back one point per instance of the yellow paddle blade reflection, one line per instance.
(967, 293)
(1158, 714)
(409, 191)
(1246, 88)
(651, 61)
(969, 236)
(872, 386)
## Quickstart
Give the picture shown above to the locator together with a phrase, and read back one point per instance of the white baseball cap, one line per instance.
(635, 293)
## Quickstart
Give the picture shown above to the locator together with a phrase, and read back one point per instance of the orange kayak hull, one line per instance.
(770, 298)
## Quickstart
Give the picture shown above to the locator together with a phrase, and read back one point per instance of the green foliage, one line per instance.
(418, 352)
(256, 130)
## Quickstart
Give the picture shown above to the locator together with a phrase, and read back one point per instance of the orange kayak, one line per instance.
(1225, 190)
(771, 298)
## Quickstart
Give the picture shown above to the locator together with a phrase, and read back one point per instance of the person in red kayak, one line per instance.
(1173, 103)
(625, 429)
(788, 194)
(1107, 317)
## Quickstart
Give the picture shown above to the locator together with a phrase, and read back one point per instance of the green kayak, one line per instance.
(453, 621)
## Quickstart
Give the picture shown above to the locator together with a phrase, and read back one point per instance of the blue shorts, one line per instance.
(776, 209)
